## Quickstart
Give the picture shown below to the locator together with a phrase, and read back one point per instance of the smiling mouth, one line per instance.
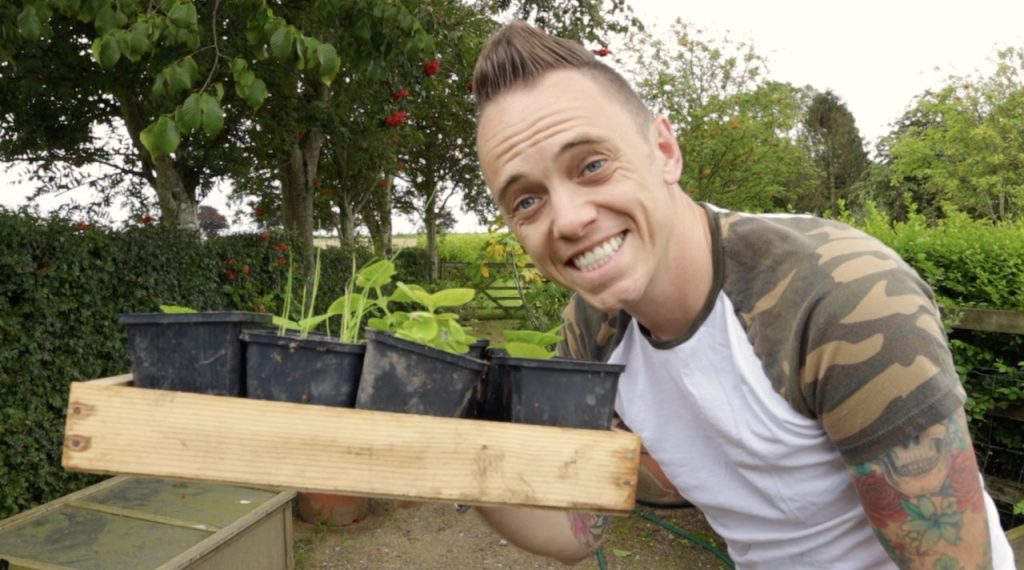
(599, 255)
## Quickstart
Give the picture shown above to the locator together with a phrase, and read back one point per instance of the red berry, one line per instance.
(431, 67)
(396, 118)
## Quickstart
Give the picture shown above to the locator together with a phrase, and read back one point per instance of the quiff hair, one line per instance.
(520, 54)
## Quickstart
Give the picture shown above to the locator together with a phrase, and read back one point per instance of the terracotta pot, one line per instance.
(331, 509)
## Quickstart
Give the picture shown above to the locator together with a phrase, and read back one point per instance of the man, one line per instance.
(789, 374)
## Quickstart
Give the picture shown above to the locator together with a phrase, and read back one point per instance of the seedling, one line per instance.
(428, 327)
(353, 306)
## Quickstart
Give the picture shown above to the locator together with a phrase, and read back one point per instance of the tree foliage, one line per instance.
(963, 144)
(834, 144)
(736, 128)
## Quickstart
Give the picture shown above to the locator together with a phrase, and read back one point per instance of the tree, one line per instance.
(968, 151)
(737, 130)
(179, 76)
(211, 222)
(438, 140)
(835, 146)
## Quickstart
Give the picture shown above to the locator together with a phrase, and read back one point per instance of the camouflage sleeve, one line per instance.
(877, 366)
(846, 331)
(589, 334)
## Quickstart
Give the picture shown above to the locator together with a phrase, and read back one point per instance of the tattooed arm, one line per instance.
(924, 500)
(567, 536)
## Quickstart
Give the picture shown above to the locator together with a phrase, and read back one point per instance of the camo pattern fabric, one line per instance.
(845, 330)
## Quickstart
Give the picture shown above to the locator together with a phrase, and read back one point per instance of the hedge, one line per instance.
(62, 286)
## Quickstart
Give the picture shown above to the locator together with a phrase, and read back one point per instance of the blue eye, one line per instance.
(525, 204)
(594, 166)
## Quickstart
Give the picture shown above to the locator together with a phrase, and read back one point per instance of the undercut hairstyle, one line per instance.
(519, 54)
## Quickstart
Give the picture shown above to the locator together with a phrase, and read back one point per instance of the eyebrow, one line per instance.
(581, 140)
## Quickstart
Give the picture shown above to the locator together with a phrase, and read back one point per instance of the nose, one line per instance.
(572, 211)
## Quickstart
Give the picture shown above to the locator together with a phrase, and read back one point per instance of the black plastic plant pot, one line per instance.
(479, 349)
(190, 352)
(557, 392)
(311, 370)
(407, 377)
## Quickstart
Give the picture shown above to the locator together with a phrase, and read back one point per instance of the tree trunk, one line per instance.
(346, 221)
(430, 225)
(177, 200)
(177, 203)
(297, 172)
(377, 217)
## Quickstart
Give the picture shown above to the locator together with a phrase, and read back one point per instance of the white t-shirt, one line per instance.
(767, 478)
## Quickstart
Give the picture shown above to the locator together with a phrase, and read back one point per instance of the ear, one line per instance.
(669, 154)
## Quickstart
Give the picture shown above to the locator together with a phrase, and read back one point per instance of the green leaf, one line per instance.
(620, 553)
(161, 136)
(376, 274)
(310, 323)
(178, 78)
(329, 61)
(378, 324)
(176, 309)
(245, 78)
(238, 65)
(213, 117)
(106, 51)
(307, 51)
(28, 24)
(452, 297)
(183, 15)
(256, 93)
(109, 18)
(281, 42)
(190, 67)
(526, 350)
(282, 322)
(532, 337)
(421, 330)
(189, 116)
(138, 38)
(412, 293)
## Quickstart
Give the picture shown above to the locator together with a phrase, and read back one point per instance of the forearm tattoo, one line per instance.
(588, 528)
(925, 501)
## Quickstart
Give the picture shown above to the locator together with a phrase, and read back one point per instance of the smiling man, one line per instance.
(789, 374)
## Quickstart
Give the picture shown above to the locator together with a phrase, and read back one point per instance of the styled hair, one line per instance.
(520, 54)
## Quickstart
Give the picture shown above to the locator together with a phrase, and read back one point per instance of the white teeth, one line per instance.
(599, 255)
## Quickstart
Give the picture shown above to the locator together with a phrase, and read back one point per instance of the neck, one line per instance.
(676, 298)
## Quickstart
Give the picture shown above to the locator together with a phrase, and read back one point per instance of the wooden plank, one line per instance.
(119, 380)
(1004, 490)
(137, 431)
(1012, 412)
(990, 320)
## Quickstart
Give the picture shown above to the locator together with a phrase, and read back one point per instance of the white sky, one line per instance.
(876, 55)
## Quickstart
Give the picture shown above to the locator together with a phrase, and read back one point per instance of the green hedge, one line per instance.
(970, 263)
(62, 286)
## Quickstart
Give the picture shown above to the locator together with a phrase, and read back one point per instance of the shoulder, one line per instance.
(846, 330)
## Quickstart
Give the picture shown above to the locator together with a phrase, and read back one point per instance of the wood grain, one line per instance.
(112, 428)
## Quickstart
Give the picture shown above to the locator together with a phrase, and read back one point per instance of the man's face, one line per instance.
(585, 189)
